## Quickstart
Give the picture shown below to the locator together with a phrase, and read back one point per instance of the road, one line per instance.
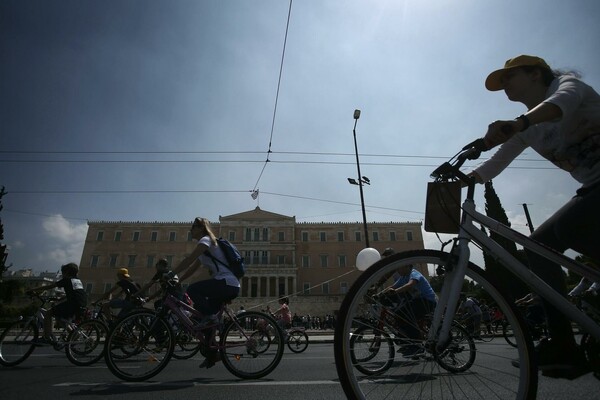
(312, 375)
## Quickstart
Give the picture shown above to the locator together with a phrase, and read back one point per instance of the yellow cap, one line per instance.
(494, 80)
(124, 272)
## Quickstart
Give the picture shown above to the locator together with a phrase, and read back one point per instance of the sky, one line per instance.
(166, 110)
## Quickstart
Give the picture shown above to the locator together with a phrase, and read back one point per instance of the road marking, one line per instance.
(236, 383)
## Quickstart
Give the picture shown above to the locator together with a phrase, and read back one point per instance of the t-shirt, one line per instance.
(421, 290)
(74, 291)
(572, 143)
(128, 286)
(471, 307)
(285, 314)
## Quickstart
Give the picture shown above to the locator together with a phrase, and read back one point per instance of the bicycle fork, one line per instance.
(454, 271)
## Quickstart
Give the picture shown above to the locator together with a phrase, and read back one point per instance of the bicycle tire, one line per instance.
(263, 340)
(85, 344)
(372, 351)
(508, 335)
(16, 342)
(239, 348)
(297, 340)
(451, 358)
(139, 346)
(426, 375)
(186, 345)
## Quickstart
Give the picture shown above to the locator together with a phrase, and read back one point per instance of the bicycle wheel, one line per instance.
(484, 335)
(460, 354)
(186, 345)
(16, 342)
(297, 341)
(432, 373)
(85, 345)
(371, 350)
(263, 340)
(241, 351)
(139, 346)
(509, 336)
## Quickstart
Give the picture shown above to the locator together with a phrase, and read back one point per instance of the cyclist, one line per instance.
(75, 300)
(562, 123)
(125, 300)
(168, 281)
(420, 299)
(208, 295)
(283, 314)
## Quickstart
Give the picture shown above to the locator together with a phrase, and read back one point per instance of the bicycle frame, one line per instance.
(455, 275)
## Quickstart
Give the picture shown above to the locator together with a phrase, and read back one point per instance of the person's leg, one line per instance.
(575, 226)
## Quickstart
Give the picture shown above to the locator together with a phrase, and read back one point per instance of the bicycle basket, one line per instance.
(442, 210)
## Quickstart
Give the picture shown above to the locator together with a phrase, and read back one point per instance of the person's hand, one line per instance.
(500, 131)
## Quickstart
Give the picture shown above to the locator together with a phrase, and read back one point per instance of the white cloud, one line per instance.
(68, 239)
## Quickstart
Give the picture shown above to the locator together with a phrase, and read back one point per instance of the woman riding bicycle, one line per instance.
(208, 295)
(562, 124)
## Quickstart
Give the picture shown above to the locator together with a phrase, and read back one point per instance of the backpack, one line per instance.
(234, 259)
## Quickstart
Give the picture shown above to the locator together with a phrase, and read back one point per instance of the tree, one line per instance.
(3, 251)
(494, 209)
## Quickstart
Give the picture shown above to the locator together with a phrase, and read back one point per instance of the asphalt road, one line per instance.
(310, 375)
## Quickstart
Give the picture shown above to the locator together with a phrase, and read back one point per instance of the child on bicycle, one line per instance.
(562, 124)
(283, 314)
(210, 294)
(125, 299)
(168, 281)
(420, 299)
(75, 300)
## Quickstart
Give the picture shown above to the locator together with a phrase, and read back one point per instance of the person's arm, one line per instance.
(190, 260)
(107, 294)
(500, 131)
(44, 287)
(407, 286)
(190, 271)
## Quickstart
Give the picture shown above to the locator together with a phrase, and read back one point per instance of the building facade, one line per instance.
(312, 263)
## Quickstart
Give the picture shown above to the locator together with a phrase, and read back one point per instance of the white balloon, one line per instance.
(366, 258)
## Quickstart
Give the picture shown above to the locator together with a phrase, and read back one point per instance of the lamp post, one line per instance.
(362, 180)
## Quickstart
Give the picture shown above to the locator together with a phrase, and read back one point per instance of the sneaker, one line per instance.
(210, 360)
(557, 362)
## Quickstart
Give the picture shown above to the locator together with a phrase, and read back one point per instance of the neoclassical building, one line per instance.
(312, 263)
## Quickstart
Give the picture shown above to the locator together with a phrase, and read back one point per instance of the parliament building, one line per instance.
(313, 263)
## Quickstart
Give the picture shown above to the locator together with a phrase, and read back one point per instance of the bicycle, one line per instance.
(492, 375)
(537, 328)
(82, 340)
(142, 343)
(295, 337)
(372, 348)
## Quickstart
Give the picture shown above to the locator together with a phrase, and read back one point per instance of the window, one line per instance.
(342, 260)
(409, 236)
(248, 234)
(256, 234)
(172, 236)
(305, 236)
(325, 288)
(281, 236)
(392, 236)
(232, 236)
(100, 236)
(357, 236)
(136, 236)
(94, 261)
(113, 260)
(254, 257)
(265, 236)
(306, 288)
(131, 261)
(118, 236)
(343, 287)
(375, 236)
(322, 236)
(264, 258)
(88, 288)
(323, 261)
(306, 261)
(169, 260)
(107, 287)
(189, 236)
(154, 236)
(340, 236)
(150, 261)
(281, 260)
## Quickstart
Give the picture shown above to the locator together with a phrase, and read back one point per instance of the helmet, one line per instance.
(70, 268)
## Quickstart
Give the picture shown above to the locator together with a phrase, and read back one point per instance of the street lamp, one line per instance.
(362, 180)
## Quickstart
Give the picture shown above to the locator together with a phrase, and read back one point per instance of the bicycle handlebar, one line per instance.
(450, 170)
